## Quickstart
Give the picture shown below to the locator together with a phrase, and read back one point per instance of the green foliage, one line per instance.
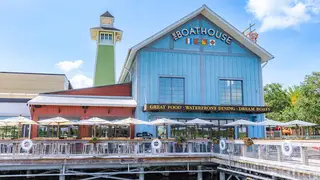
(296, 102)
(215, 140)
(276, 97)
(181, 139)
(94, 140)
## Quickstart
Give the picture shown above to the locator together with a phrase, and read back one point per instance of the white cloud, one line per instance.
(281, 14)
(69, 65)
(81, 81)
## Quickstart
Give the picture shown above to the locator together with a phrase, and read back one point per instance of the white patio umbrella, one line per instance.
(13, 121)
(165, 122)
(198, 122)
(240, 123)
(298, 124)
(129, 121)
(93, 122)
(54, 121)
(270, 122)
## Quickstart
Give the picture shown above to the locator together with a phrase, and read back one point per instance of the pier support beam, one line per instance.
(222, 175)
(279, 153)
(141, 175)
(304, 155)
(199, 173)
(62, 176)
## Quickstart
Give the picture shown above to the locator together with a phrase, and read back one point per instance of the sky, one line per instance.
(53, 36)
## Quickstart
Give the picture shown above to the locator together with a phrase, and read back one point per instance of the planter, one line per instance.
(248, 141)
(94, 140)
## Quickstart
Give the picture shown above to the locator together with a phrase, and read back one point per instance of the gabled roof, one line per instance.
(106, 14)
(212, 16)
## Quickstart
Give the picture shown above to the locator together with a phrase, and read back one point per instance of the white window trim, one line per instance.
(107, 41)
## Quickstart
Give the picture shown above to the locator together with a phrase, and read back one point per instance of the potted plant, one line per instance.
(180, 140)
(248, 141)
(215, 140)
(94, 140)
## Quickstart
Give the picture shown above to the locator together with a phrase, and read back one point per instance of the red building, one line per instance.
(108, 102)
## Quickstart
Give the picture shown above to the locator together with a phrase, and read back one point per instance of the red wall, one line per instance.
(78, 112)
(109, 90)
(47, 111)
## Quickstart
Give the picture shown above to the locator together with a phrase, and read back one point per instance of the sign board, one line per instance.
(204, 108)
(209, 32)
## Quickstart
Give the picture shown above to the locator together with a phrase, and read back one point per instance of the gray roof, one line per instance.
(106, 14)
(53, 74)
(107, 28)
(15, 100)
(83, 100)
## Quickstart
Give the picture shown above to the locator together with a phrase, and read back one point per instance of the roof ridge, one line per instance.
(106, 14)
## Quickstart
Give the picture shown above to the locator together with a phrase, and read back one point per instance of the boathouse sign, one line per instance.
(204, 108)
(202, 31)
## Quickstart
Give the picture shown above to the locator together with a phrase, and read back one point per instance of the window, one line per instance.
(106, 38)
(171, 90)
(205, 131)
(231, 92)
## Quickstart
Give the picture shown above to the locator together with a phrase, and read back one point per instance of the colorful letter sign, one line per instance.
(202, 31)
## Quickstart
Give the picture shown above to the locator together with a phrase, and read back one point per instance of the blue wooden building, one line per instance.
(199, 67)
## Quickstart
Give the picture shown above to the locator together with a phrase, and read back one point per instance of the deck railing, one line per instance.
(304, 152)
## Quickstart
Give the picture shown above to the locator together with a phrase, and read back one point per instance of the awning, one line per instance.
(80, 100)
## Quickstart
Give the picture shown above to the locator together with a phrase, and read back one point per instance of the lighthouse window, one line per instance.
(106, 38)
(231, 92)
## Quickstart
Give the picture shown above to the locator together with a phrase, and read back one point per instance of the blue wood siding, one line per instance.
(202, 67)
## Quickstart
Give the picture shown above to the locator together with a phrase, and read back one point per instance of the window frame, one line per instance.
(106, 36)
(192, 135)
(172, 77)
(219, 89)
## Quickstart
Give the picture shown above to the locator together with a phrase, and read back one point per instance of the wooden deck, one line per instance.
(264, 157)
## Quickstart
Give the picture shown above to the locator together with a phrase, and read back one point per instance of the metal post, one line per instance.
(62, 176)
(222, 175)
(199, 173)
(259, 151)
(244, 150)
(304, 155)
(141, 175)
(279, 154)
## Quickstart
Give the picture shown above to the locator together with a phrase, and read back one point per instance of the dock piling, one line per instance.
(141, 174)
(199, 173)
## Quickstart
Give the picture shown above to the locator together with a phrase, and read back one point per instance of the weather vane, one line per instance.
(251, 33)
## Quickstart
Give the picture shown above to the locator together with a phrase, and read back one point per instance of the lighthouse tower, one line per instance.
(106, 37)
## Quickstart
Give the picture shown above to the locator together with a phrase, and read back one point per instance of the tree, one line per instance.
(277, 98)
(296, 102)
(294, 93)
(282, 101)
(308, 103)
